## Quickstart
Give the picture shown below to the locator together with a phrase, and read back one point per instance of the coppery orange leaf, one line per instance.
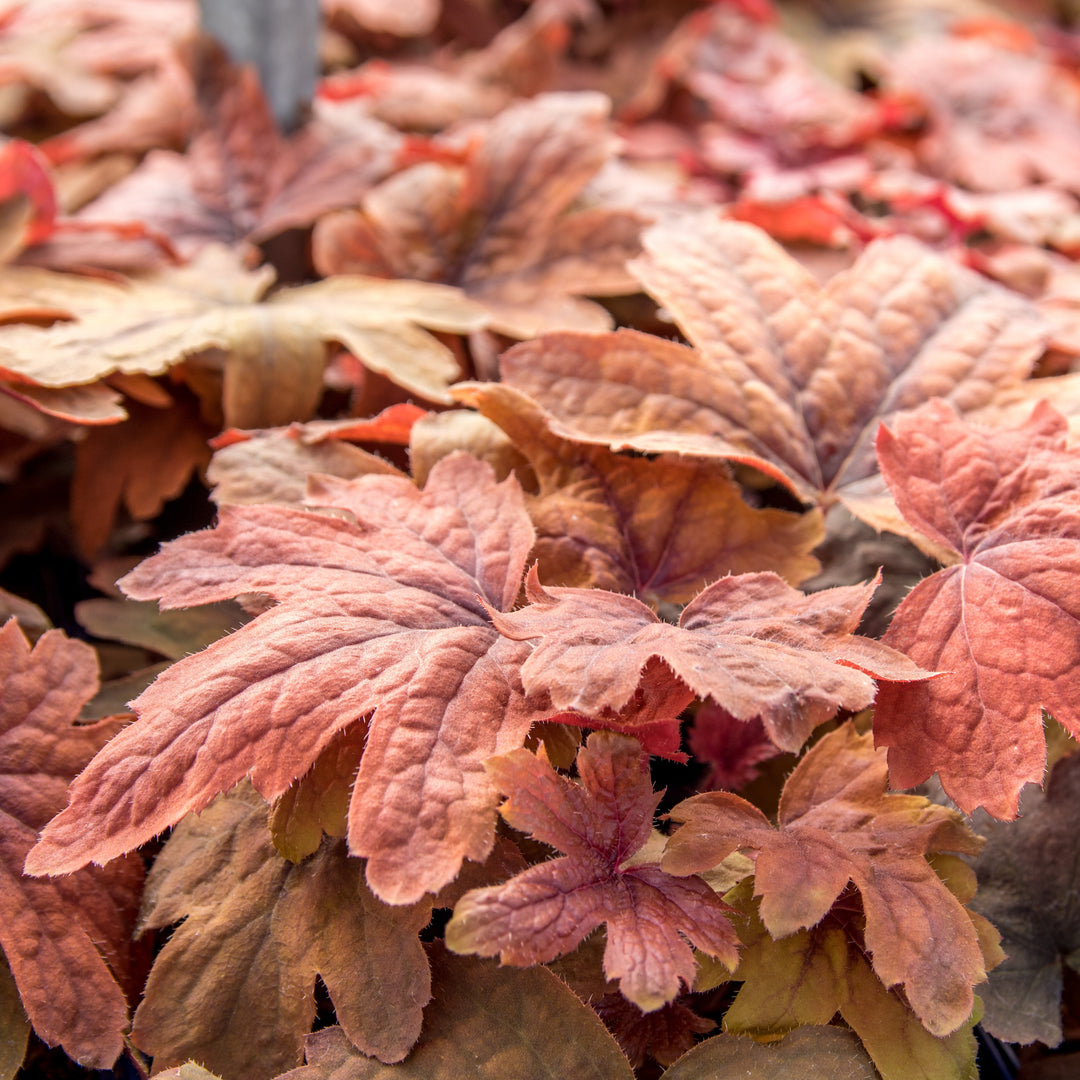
(1004, 620)
(750, 642)
(659, 529)
(68, 940)
(838, 824)
(378, 609)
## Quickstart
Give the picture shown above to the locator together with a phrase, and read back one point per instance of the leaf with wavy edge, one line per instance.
(659, 529)
(234, 986)
(838, 824)
(377, 610)
(66, 941)
(783, 375)
(1004, 620)
(750, 642)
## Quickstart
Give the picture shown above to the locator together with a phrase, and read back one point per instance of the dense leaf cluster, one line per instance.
(638, 459)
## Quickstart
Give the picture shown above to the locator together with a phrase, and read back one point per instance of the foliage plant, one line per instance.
(620, 646)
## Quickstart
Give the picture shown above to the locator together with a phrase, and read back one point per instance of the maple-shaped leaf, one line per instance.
(600, 824)
(240, 178)
(660, 529)
(149, 324)
(485, 1020)
(234, 986)
(378, 610)
(1003, 621)
(501, 226)
(837, 824)
(785, 376)
(1027, 888)
(67, 941)
(750, 642)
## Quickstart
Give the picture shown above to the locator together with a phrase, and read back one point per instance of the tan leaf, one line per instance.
(807, 1052)
(485, 1021)
(274, 349)
(501, 226)
(234, 986)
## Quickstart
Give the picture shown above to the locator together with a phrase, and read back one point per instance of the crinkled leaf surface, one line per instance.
(659, 529)
(380, 612)
(1004, 621)
(838, 824)
(501, 226)
(750, 642)
(275, 349)
(234, 986)
(784, 375)
(1028, 888)
(487, 1022)
(67, 941)
(550, 908)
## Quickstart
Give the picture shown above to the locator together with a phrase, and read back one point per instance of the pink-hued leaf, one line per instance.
(549, 909)
(1004, 621)
(998, 119)
(837, 823)
(784, 375)
(377, 610)
(732, 749)
(750, 642)
(67, 941)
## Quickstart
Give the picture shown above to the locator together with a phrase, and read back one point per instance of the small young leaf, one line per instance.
(550, 908)
(837, 824)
